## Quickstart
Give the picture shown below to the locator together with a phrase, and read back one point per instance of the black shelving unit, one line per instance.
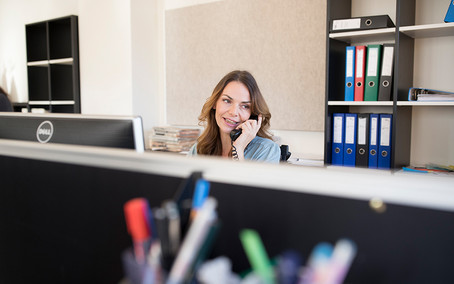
(53, 65)
(402, 80)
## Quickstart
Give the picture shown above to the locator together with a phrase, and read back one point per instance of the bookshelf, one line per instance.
(419, 30)
(53, 65)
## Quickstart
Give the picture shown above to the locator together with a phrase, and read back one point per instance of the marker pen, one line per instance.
(256, 253)
(201, 192)
(136, 215)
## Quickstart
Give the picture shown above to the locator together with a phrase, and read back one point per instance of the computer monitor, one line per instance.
(90, 130)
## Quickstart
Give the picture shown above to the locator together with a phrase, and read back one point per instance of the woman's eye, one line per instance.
(226, 100)
(246, 106)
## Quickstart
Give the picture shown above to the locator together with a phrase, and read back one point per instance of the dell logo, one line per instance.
(45, 131)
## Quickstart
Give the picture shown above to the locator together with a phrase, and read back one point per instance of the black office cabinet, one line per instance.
(53, 65)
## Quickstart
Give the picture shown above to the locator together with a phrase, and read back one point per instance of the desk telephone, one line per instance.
(237, 132)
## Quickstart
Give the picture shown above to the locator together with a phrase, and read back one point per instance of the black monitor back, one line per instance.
(90, 130)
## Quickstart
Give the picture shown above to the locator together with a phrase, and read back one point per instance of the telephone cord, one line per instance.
(234, 153)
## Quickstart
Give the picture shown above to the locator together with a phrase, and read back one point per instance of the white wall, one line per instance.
(105, 57)
(148, 61)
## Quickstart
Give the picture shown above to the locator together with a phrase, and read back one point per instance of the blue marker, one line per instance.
(202, 190)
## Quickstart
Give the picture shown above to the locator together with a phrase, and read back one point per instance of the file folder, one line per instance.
(337, 155)
(429, 95)
(372, 72)
(449, 18)
(384, 147)
(360, 62)
(386, 74)
(362, 144)
(351, 120)
(373, 140)
(349, 73)
(361, 23)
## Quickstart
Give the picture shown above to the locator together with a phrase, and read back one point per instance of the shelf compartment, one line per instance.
(38, 83)
(36, 42)
(61, 82)
(63, 108)
(431, 30)
(60, 42)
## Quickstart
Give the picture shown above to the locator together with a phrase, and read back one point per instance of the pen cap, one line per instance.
(202, 189)
(257, 255)
(136, 215)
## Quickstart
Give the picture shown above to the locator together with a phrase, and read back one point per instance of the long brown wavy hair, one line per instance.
(209, 142)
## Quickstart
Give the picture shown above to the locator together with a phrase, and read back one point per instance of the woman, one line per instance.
(5, 104)
(234, 99)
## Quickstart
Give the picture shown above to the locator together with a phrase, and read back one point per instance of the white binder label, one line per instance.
(385, 132)
(350, 63)
(337, 130)
(346, 24)
(373, 62)
(373, 131)
(349, 130)
(359, 63)
(362, 131)
(387, 67)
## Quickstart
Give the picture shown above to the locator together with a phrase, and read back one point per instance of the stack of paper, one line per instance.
(173, 139)
(428, 95)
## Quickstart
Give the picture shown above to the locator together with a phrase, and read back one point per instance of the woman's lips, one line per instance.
(230, 122)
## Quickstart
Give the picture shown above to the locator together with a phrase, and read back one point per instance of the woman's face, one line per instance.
(233, 106)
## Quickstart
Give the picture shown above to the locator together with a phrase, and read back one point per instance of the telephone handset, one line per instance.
(237, 132)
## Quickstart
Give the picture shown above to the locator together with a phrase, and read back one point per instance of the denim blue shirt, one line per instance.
(259, 149)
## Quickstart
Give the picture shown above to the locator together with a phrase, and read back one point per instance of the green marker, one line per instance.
(256, 253)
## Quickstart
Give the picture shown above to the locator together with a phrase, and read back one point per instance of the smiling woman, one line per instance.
(234, 99)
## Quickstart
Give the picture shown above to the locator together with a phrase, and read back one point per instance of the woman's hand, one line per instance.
(249, 130)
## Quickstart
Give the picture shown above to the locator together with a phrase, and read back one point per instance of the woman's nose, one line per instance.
(233, 109)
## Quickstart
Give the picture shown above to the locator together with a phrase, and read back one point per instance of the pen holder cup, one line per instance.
(137, 273)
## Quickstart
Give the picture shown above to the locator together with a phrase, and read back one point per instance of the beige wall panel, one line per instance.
(281, 42)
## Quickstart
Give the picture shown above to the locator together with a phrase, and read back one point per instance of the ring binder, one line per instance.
(338, 139)
(349, 73)
(361, 23)
(384, 148)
